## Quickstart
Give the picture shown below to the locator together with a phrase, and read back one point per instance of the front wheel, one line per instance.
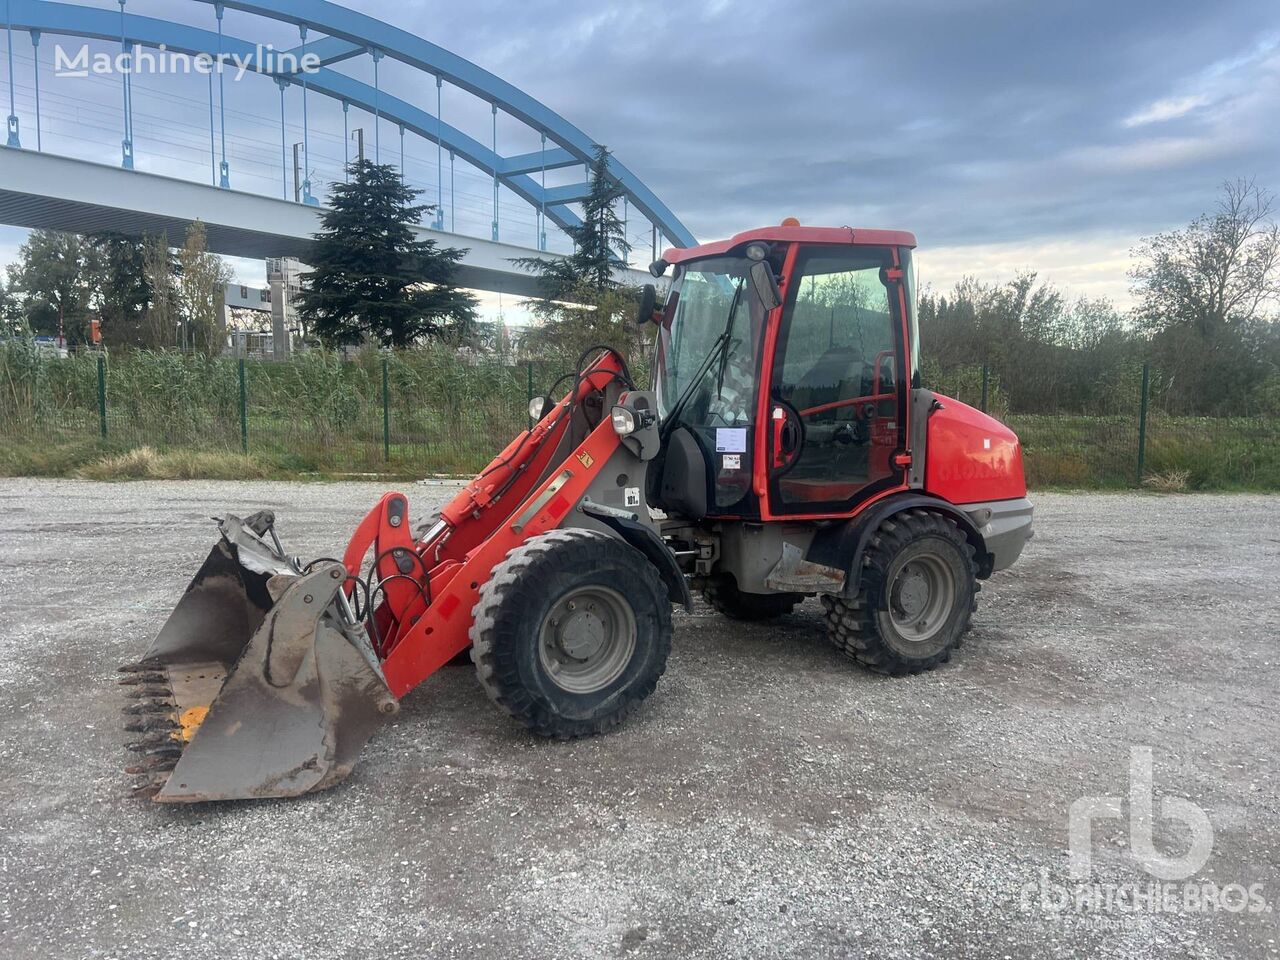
(916, 594)
(571, 633)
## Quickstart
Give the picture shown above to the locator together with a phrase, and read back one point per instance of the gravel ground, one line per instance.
(771, 799)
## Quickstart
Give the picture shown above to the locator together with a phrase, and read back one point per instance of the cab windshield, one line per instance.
(712, 309)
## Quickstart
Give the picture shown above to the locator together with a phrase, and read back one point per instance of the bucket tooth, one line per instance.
(151, 693)
(149, 706)
(146, 766)
(152, 722)
(154, 746)
(156, 770)
(148, 782)
(151, 664)
(143, 677)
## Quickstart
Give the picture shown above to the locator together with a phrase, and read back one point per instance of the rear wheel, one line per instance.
(722, 593)
(917, 592)
(571, 632)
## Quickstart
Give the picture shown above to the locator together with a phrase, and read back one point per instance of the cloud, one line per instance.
(1152, 154)
(1169, 108)
(1093, 265)
(1001, 132)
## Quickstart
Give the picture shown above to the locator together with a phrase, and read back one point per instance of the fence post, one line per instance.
(244, 411)
(386, 408)
(1142, 421)
(102, 396)
(986, 372)
(528, 369)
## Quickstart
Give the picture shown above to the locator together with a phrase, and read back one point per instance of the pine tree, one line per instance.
(599, 241)
(372, 277)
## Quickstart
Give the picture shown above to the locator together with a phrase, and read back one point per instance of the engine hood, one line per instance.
(971, 457)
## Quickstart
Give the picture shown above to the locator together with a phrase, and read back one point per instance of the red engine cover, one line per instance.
(971, 457)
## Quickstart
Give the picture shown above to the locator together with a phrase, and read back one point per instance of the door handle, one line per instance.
(778, 418)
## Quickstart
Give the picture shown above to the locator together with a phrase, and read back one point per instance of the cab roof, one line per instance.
(851, 235)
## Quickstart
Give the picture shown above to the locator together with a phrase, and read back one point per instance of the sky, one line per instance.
(1006, 135)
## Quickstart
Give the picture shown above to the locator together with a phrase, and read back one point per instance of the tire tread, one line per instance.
(514, 575)
(851, 623)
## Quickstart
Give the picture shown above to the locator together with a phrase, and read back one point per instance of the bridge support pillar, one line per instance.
(279, 282)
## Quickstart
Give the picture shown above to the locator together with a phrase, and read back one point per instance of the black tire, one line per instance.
(875, 628)
(518, 609)
(722, 593)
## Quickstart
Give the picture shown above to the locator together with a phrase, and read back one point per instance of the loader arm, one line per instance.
(271, 674)
(424, 590)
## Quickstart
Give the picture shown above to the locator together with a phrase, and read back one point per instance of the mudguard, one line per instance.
(842, 545)
(644, 539)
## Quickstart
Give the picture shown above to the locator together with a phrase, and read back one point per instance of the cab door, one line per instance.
(837, 397)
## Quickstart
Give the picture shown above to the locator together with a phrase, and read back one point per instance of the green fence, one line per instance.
(1128, 442)
(412, 413)
(432, 411)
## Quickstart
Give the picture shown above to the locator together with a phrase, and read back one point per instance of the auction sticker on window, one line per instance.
(731, 440)
(732, 461)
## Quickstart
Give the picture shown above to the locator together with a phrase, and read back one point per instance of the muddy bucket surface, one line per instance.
(260, 683)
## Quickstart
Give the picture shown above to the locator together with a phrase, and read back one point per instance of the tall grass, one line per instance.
(177, 415)
(318, 413)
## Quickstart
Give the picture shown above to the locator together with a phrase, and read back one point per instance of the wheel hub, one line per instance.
(921, 595)
(912, 591)
(581, 636)
(587, 638)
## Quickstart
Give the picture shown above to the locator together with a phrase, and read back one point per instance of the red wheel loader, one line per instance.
(786, 450)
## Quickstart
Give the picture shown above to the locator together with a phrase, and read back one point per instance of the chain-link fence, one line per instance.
(434, 411)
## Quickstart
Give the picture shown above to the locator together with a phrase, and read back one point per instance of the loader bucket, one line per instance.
(260, 684)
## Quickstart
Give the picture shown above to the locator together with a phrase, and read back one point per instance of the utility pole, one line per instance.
(358, 135)
(297, 174)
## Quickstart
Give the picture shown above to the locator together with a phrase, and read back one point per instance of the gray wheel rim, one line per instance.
(587, 639)
(921, 596)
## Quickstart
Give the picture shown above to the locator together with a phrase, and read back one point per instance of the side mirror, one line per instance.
(648, 303)
(765, 286)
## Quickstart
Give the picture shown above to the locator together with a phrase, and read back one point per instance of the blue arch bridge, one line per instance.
(231, 117)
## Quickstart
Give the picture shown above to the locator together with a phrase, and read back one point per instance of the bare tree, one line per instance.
(1222, 269)
(202, 281)
(1206, 297)
(159, 324)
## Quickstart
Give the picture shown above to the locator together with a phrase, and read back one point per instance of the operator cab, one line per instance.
(784, 397)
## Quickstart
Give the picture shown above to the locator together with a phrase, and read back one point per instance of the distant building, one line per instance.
(262, 321)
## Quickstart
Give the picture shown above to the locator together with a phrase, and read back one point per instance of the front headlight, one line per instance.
(536, 406)
(624, 421)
